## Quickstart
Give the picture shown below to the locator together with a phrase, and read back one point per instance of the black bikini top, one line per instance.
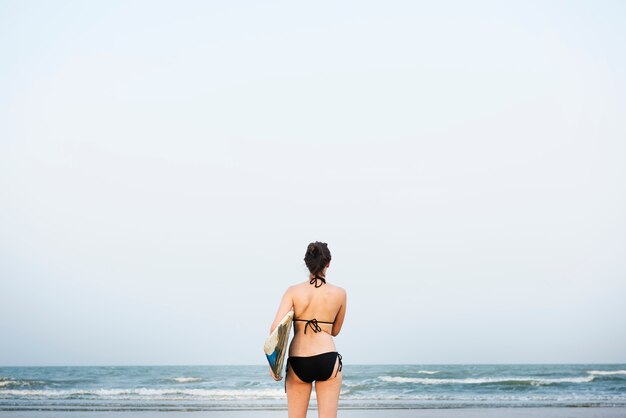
(312, 323)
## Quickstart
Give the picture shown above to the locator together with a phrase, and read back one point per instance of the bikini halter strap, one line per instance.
(314, 280)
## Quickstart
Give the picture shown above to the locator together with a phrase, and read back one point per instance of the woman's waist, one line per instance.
(311, 344)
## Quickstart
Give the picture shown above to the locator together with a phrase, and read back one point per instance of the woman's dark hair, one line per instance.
(316, 258)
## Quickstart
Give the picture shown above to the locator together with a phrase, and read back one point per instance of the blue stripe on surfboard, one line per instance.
(272, 357)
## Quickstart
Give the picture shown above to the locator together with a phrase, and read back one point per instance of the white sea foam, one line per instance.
(153, 394)
(532, 380)
(427, 372)
(10, 382)
(492, 397)
(186, 379)
(607, 372)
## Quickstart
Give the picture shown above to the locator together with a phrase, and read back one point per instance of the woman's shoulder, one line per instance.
(304, 286)
(296, 288)
(337, 289)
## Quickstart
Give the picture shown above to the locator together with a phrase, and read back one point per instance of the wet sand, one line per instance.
(593, 412)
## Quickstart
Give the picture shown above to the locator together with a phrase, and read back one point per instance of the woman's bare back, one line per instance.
(324, 304)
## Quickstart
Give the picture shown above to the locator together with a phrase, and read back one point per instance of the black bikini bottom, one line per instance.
(319, 367)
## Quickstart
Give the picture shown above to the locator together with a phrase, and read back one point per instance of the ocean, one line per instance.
(188, 388)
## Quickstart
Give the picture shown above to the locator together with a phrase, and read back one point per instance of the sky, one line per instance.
(163, 166)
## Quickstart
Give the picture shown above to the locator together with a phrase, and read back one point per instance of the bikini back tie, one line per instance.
(340, 364)
(313, 324)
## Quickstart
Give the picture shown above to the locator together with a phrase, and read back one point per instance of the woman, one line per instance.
(319, 309)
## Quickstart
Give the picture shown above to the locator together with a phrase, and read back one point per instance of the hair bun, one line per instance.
(317, 258)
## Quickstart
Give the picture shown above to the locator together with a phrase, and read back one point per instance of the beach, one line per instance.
(597, 412)
(435, 190)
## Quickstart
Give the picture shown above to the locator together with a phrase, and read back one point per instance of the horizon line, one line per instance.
(352, 364)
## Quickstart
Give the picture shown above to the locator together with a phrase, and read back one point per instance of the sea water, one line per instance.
(364, 386)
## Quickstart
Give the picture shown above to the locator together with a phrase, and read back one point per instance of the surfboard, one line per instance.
(276, 345)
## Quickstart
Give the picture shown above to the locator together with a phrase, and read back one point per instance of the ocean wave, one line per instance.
(501, 399)
(537, 381)
(427, 372)
(186, 379)
(5, 382)
(150, 394)
(142, 396)
(607, 372)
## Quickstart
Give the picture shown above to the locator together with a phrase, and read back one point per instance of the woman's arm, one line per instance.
(340, 315)
(286, 304)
